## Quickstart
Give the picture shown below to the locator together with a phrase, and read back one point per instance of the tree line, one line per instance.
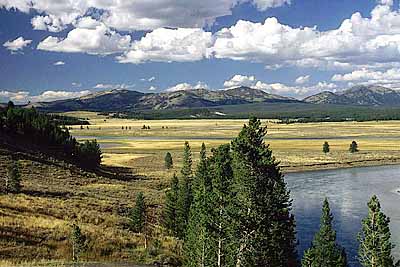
(33, 128)
(235, 210)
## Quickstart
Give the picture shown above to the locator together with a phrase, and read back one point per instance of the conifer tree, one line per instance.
(353, 147)
(168, 161)
(375, 246)
(138, 214)
(265, 228)
(185, 192)
(325, 147)
(198, 235)
(170, 210)
(78, 242)
(13, 179)
(325, 252)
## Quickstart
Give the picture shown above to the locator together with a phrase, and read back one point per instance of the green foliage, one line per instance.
(13, 179)
(78, 241)
(325, 252)
(168, 161)
(89, 154)
(138, 214)
(353, 147)
(27, 127)
(375, 246)
(265, 228)
(170, 209)
(325, 147)
(185, 196)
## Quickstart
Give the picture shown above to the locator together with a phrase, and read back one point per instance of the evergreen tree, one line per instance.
(325, 252)
(375, 246)
(168, 161)
(78, 242)
(353, 147)
(138, 214)
(185, 192)
(265, 228)
(13, 179)
(325, 147)
(170, 210)
(89, 155)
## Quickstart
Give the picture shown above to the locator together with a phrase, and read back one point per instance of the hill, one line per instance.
(126, 100)
(358, 95)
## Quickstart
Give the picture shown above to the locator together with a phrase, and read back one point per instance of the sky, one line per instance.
(57, 49)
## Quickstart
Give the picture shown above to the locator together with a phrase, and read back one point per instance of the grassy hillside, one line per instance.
(36, 223)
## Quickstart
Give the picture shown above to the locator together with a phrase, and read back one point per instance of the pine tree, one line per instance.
(353, 147)
(375, 246)
(170, 210)
(13, 179)
(325, 252)
(185, 192)
(265, 228)
(78, 242)
(325, 147)
(198, 236)
(138, 214)
(168, 161)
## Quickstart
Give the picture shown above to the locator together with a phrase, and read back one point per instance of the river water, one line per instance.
(348, 191)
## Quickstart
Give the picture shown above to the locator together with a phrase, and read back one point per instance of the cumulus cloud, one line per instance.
(389, 77)
(187, 86)
(59, 63)
(22, 97)
(152, 78)
(167, 45)
(303, 79)
(96, 40)
(240, 80)
(152, 88)
(358, 41)
(132, 15)
(278, 88)
(16, 45)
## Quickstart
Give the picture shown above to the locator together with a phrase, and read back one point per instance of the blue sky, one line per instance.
(290, 47)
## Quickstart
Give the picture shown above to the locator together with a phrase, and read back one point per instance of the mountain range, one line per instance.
(127, 100)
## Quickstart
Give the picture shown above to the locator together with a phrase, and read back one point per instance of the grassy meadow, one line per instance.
(35, 225)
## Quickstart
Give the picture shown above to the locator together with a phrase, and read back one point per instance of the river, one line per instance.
(348, 191)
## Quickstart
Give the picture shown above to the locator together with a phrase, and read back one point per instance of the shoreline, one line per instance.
(339, 165)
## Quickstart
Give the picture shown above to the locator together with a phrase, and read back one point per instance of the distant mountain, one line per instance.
(126, 100)
(358, 95)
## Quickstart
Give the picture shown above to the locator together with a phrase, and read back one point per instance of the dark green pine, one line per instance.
(375, 246)
(170, 210)
(325, 252)
(138, 214)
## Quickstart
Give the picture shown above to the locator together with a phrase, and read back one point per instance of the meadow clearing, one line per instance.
(297, 146)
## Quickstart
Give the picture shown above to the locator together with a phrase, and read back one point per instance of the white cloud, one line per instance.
(187, 86)
(389, 77)
(167, 45)
(303, 79)
(278, 88)
(358, 41)
(22, 97)
(17, 44)
(152, 88)
(98, 40)
(59, 63)
(47, 23)
(152, 78)
(132, 15)
(113, 86)
(240, 80)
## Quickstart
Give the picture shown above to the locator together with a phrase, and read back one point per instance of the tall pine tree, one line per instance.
(13, 179)
(375, 246)
(170, 210)
(265, 228)
(325, 252)
(138, 214)
(185, 192)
